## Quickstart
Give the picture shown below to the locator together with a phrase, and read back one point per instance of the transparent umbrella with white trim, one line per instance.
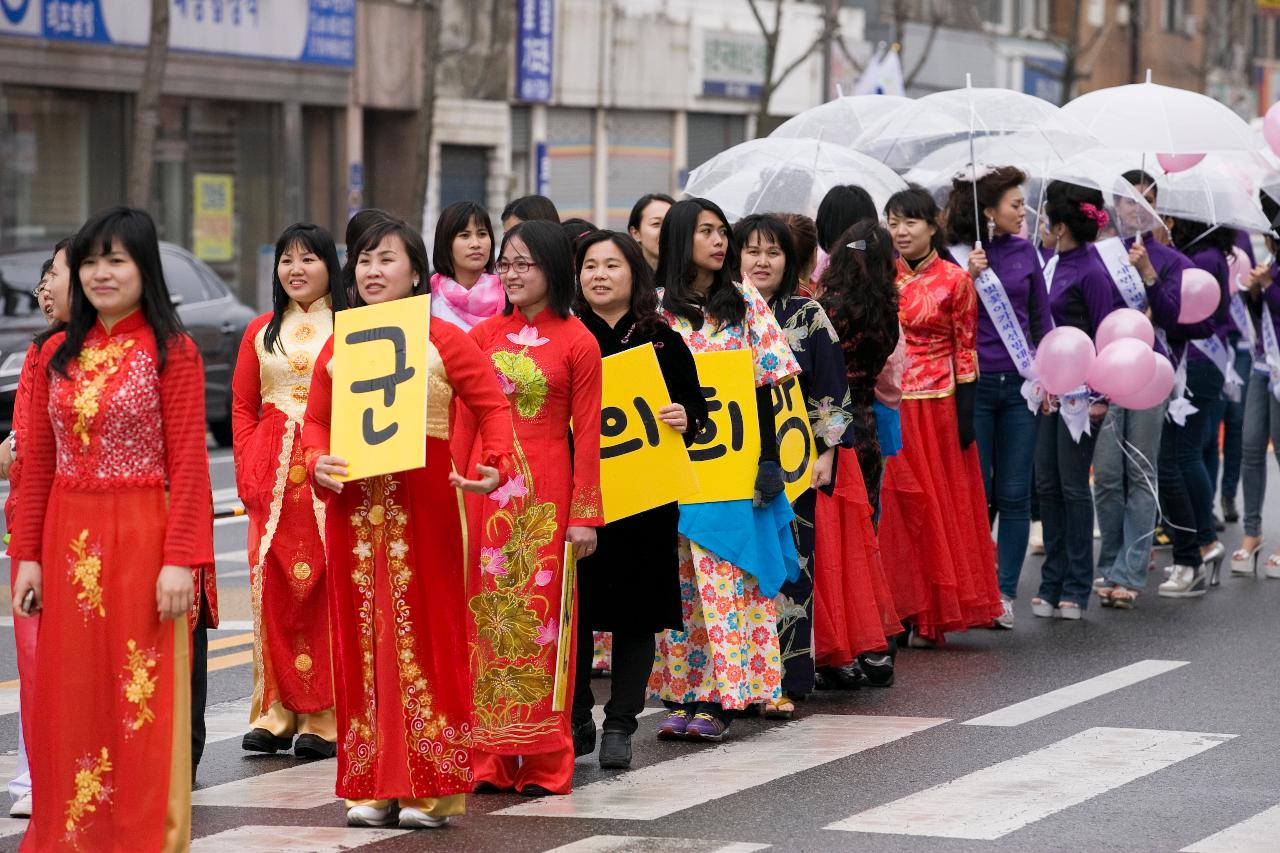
(840, 120)
(787, 176)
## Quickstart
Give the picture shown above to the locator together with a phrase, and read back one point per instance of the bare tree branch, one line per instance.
(755, 12)
(432, 14)
(935, 23)
(146, 114)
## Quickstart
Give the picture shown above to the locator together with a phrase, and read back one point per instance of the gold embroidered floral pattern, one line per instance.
(86, 572)
(139, 684)
(522, 381)
(97, 365)
(585, 503)
(92, 789)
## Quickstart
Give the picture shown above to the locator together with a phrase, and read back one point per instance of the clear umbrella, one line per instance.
(1148, 116)
(997, 125)
(841, 120)
(1218, 191)
(787, 176)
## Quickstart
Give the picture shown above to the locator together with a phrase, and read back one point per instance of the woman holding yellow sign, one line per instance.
(396, 576)
(523, 595)
(631, 585)
(727, 656)
(768, 261)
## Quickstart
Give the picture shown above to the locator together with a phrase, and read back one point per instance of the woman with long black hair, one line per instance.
(116, 505)
(631, 584)
(727, 656)
(292, 676)
(934, 532)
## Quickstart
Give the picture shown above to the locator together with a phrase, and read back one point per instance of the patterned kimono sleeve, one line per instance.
(830, 403)
(315, 423)
(188, 536)
(772, 357)
(586, 509)
(964, 328)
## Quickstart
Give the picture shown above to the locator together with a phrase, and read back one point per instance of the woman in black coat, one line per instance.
(630, 585)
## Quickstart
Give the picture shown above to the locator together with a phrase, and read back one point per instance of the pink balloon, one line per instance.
(1177, 162)
(1123, 368)
(1154, 392)
(1124, 323)
(1063, 359)
(1200, 295)
(1271, 128)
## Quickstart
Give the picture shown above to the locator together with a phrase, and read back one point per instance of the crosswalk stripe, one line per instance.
(1258, 834)
(1000, 799)
(230, 642)
(707, 774)
(291, 839)
(1074, 694)
(643, 844)
(226, 661)
(308, 785)
(226, 720)
(12, 826)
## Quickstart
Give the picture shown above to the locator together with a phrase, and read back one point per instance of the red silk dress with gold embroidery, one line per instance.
(397, 557)
(293, 682)
(115, 485)
(935, 537)
(550, 370)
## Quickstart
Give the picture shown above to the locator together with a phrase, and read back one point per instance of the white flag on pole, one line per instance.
(882, 76)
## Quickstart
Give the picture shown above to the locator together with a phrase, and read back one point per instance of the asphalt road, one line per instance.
(1150, 730)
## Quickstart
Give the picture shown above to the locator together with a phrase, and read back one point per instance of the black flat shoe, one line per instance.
(584, 738)
(535, 791)
(261, 740)
(314, 746)
(615, 750)
(488, 788)
(877, 670)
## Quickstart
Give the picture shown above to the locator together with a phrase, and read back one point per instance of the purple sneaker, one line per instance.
(674, 726)
(705, 727)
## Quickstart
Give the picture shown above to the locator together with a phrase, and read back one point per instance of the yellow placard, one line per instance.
(379, 419)
(725, 454)
(634, 444)
(797, 450)
(567, 636)
(213, 219)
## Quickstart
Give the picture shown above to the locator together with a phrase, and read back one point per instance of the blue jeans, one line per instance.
(1124, 491)
(1204, 381)
(1261, 426)
(1006, 434)
(1066, 511)
(1231, 416)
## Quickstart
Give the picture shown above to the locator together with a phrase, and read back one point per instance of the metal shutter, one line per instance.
(711, 133)
(639, 159)
(464, 174)
(570, 141)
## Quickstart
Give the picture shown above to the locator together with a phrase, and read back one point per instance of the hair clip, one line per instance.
(860, 245)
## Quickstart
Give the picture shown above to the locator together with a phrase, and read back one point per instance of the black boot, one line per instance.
(1229, 512)
(314, 746)
(584, 738)
(615, 750)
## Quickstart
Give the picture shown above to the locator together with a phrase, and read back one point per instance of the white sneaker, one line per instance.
(1005, 619)
(411, 818)
(21, 807)
(370, 816)
(1036, 542)
(1184, 582)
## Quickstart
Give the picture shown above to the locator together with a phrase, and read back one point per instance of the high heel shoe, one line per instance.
(1212, 560)
(1240, 560)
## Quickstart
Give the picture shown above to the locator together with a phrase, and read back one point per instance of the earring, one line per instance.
(415, 284)
(991, 229)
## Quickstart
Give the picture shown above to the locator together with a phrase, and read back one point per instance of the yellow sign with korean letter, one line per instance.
(797, 451)
(567, 636)
(727, 452)
(643, 462)
(213, 219)
(379, 419)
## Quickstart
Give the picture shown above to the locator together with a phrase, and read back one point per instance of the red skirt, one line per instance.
(934, 533)
(853, 608)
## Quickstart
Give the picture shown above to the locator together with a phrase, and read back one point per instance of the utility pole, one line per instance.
(1135, 40)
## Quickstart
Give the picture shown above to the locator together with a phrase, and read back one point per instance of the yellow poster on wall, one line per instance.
(797, 450)
(379, 419)
(725, 454)
(213, 217)
(643, 462)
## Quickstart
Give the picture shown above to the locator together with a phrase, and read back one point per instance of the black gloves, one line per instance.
(966, 394)
(769, 483)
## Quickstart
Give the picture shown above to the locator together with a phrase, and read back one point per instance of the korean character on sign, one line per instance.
(614, 422)
(386, 384)
(708, 444)
(796, 446)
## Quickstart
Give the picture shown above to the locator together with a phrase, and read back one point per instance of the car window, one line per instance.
(183, 279)
(19, 275)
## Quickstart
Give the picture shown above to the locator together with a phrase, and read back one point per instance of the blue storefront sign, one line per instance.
(1042, 77)
(311, 31)
(542, 169)
(535, 34)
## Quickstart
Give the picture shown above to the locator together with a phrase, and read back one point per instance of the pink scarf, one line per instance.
(483, 300)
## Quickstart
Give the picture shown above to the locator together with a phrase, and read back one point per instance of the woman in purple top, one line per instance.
(1081, 294)
(1261, 409)
(1005, 427)
(1183, 447)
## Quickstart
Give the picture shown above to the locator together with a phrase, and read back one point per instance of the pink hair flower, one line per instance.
(1096, 214)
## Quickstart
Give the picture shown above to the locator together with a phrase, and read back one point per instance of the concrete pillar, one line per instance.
(294, 207)
(537, 146)
(600, 170)
(354, 177)
(679, 150)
